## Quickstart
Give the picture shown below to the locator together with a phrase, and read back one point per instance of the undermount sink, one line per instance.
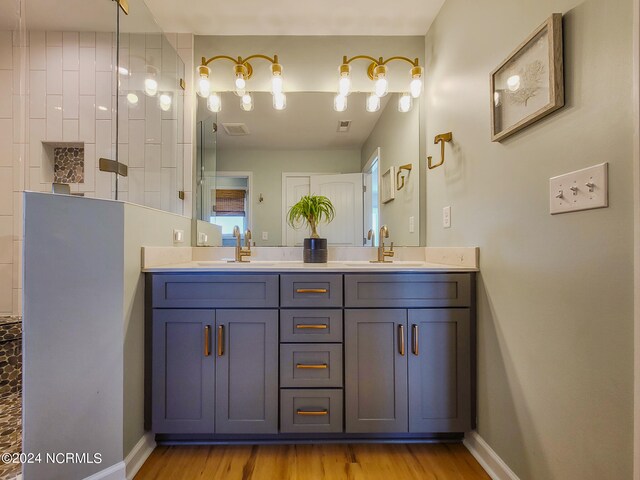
(225, 263)
(385, 264)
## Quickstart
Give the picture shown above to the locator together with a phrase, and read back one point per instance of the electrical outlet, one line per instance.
(412, 224)
(265, 235)
(178, 236)
(446, 217)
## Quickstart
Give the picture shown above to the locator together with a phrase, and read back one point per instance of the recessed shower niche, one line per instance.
(63, 162)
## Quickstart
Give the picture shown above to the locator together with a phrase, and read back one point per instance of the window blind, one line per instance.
(229, 202)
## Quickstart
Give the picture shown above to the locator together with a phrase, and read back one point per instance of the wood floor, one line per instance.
(313, 462)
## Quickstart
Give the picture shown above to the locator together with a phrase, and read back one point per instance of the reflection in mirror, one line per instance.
(253, 166)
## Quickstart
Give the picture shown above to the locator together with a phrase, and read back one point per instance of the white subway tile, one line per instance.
(35, 179)
(152, 199)
(87, 71)
(6, 238)
(20, 159)
(103, 95)
(87, 116)
(54, 118)
(6, 94)
(123, 117)
(153, 40)
(70, 95)
(103, 185)
(169, 144)
(104, 147)
(153, 120)
(37, 51)
(185, 40)
(18, 222)
(87, 39)
(89, 184)
(6, 142)
(20, 111)
(188, 166)
(124, 40)
(136, 86)
(153, 57)
(137, 58)
(187, 204)
(70, 130)
(136, 143)
(20, 70)
(104, 52)
(70, 53)
(37, 94)
(136, 185)
(152, 166)
(180, 168)
(37, 134)
(17, 301)
(54, 39)
(6, 50)
(20, 38)
(6, 190)
(168, 190)
(172, 38)
(180, 118)
(17, 264)
(6, 289)
(54, 70)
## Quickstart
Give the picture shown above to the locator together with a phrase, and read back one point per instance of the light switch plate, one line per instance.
(178, 236)
(446, 217)
(580, 190)
(265, 235)
(412, 224)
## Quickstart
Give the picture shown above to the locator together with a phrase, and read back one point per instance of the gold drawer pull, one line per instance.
(314, 413)
(220, 340)
(314, 326)
(311, 290)
(319, 366)
(207, 340)
(415, 339)
(401, 339)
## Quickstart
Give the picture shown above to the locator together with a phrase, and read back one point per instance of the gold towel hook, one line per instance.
(399, 177)
(442, 138)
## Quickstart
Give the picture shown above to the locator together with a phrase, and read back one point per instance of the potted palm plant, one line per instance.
(312, 210)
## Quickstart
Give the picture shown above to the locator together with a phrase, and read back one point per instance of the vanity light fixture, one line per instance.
(151, 87)
(243, 71)
(340, 103)
(165, 102)
(377, 71)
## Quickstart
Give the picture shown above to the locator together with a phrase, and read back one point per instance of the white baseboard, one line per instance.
(139, 454)
(490, 461)
(114, 472)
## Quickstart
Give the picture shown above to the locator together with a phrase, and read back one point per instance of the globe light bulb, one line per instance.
(214, 103)
(165, 102)
(405, 102)
(344, 85)
(513, 83)
(276, 84)
(373, 103)
(280, 101)
(381, 86)
(204, 85)
(340, 103)
(151, 87)
(132, 98)
(240, 84)
(415, 87)
(246, 102)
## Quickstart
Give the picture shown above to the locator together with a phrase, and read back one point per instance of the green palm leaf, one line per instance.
(311, 210)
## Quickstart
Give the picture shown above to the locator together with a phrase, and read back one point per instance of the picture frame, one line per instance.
(387, 185)
(529, 84)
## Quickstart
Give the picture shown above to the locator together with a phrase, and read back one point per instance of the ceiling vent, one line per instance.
(235, 129)
(344, 125)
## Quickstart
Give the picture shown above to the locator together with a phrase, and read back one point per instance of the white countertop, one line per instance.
(223, 265)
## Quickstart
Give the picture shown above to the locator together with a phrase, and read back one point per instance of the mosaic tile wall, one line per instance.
(10, 392)
(68, 165)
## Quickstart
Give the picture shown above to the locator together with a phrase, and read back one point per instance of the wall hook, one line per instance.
(442, 138)
(408, 167)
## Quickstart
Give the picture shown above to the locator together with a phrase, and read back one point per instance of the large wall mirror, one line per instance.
(251, 166)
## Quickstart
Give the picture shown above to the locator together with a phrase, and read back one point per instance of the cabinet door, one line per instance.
(183, 371)
(247, 371)
(439, 371)
(376, 371)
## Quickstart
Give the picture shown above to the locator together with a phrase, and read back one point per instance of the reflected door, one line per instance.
(295, 187)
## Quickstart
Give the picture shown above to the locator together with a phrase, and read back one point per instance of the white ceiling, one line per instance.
(295, 17)
(309, 122)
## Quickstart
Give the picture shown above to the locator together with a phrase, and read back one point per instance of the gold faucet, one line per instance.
(242, 252)
(371, 236)
(382, 253)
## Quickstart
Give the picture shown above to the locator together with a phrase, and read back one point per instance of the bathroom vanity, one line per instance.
(268, 351)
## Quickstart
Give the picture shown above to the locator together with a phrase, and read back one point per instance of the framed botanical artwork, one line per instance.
(387, 186)
(529, 84)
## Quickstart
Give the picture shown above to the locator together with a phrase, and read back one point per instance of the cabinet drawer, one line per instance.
(310, 411)
(218, 291)
(311, 365)
(306, 326)
(313, 290)
(406, 290)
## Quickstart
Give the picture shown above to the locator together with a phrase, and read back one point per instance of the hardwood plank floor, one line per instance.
(313, 462)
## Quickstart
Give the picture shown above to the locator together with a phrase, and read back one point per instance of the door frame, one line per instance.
(367, 166)
(636, 238)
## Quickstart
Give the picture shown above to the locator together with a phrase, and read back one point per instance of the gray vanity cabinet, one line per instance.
(439, 370)
(183, 371)
(376, 371)
(246, 371)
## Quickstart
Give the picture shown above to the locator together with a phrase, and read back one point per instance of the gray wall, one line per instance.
(555, 292)
(397, 135)
(267, 167)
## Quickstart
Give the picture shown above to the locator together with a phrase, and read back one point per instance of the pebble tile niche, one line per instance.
(68, 165)
(10, 392)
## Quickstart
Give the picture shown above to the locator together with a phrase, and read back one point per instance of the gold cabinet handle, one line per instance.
(312, 412)
(311, 290)
(313, 326)
(401, 338)
(221, 340)
(414, 333)
(207, 340)
(319, 366)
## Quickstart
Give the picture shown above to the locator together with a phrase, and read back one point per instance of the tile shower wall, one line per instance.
(69, 96)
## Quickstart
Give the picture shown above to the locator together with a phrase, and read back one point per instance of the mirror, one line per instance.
(253, 165)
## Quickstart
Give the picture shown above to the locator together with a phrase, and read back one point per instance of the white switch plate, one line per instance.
(580, 190)
(178, 236)
(412, 224)
(446, 217)
(265, 235)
